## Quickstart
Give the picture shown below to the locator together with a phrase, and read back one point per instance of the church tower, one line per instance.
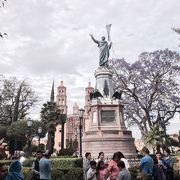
(61, 101)
(61, 98)
(76, 109)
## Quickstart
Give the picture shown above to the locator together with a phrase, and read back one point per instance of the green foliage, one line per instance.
(69, 151)
(16, 98)
(58, 163)
(67, 162)
(34, 148)
(51, 116)
(154, 137)
(134, 172)
(58, 174)
(20, 129)
(3, 131)
(7, 162)
(28, 163)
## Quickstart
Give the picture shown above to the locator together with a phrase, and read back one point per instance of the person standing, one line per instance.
(102, 172)
(3, 171)
(35, 166)
(169, 165)
(91, 174)
(146, 164)
(124, 174)
(86, 164)
(158, 173)
(45, 167)
(113, 169)
(122, 158)
(100, 157)
(15, 171)
(161, 162)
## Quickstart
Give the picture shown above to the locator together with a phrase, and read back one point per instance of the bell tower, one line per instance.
(61, 98)
(61, 101)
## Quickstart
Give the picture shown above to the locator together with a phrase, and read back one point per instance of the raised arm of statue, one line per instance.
(92, 37)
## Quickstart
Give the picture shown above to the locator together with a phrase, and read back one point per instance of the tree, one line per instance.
(2, 3)
(50, 117)
(155, 138)
(148, 84)
(16, 98)
(20, 131)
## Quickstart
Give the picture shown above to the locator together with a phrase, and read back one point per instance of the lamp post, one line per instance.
(29, 124)
(81, 114)
(163, 126)
(39, 134)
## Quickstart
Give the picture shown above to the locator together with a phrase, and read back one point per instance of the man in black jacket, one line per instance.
(35, 166)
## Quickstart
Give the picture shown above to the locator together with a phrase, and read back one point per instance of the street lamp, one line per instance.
(81, 114)
(163, 126)
(29, 124)
(39, 134)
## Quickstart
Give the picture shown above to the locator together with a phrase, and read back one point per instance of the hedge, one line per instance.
(58, 174)
(61, 163)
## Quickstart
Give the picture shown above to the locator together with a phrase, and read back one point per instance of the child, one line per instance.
(124, 174)
(102, 172)
(91, 174)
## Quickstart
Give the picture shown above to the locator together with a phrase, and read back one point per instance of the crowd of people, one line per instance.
(156, 167)
(41, 168)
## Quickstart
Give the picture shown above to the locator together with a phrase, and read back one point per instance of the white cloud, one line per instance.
(48, 40)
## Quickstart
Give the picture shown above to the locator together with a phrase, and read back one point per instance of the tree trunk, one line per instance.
(51, 142)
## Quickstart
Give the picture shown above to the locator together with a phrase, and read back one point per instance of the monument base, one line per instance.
(109, 141)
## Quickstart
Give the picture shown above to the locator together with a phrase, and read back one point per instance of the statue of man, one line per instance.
(104, 48)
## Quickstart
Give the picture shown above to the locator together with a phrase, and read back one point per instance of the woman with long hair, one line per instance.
(113, 169)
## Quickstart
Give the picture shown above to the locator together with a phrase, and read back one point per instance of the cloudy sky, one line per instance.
(49, 39)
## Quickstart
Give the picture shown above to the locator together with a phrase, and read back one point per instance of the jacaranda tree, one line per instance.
(148, 84)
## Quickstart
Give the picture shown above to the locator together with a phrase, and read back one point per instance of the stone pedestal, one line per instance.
(106, 131)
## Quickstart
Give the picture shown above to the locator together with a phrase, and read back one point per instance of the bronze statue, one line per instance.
(104, 48)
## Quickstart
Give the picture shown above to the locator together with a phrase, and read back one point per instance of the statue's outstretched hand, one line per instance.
(91, 35)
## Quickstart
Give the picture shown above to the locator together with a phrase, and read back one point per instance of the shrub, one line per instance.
(67, 162)
(134, 172)
(58, 174)
(7, 162)
(28, 163)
